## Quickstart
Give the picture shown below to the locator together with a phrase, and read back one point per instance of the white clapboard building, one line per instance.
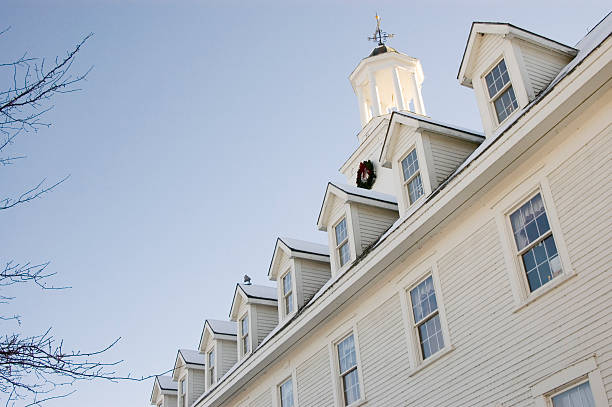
(463, 268)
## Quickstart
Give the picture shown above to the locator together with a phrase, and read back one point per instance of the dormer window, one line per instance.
(412, 176)
(211, 367)
(342, 245)
(244, 334)
(500, 90)
(288, 293)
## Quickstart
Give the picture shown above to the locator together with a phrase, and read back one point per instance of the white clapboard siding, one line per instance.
(267, 319)
(490, 49)
(170, 400)
(263, 400)
(196, 382)
(448, 154)
(228, 355)
(382, 349)
(314, 382)
(542, 66)
(373, 222)
(314, 275)
(405, 142)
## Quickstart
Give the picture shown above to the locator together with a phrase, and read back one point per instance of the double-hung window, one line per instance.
(412, 176)
(349, 375)
(342, 244)
(577, 396)
(211, 367)
(244, 334)
(535, 243)
(286, 393)
(288, 293)
(427, 318)
(501, 94)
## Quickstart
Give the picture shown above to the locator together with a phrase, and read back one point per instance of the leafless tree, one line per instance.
(35, 369)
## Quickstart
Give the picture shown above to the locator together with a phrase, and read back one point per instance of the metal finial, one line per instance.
(247, 280)
(380, 36)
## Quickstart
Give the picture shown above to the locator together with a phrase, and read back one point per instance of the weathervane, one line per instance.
(380, 36)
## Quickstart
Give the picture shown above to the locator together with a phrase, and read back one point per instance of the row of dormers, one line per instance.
(413, 155)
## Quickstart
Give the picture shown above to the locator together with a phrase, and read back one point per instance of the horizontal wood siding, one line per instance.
(383, 349)
(405, 142)
(267, 319)
(448, 154)
(229, 356)
(196, 383)
(582, 192)
(541, 66)
(170, 400)
(263, 400)
(373, 222)
(314, 275)
(314, 382)
(491, 47)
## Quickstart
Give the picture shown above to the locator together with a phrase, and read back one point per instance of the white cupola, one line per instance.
(387, 81)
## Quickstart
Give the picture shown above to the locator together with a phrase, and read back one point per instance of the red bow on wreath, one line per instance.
(366, 175)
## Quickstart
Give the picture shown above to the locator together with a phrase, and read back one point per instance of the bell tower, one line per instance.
(387, 80)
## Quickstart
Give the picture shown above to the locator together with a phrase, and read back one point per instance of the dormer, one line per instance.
(188, 373)
(422, 154)
(508, 67)
(255, 310)
(218, 345)
(354, 218)
(164, 392)
(300, 269)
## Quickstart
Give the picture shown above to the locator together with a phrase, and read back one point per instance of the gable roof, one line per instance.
(162, 385)
(349, 193)
(506, 29)
(296, 248)
(252, 294)
(425, 123)
(189, 358)
(218, 329)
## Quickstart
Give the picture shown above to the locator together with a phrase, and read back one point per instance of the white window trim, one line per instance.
(518, 92)
(342, 333)
(420, 273)
(284, 312)
(352, 240)
(293, 385)
(241, 335)
(210, 383)
(181, 396)
(404, 183)
(573, 375)
(516, 272)
(337, 244)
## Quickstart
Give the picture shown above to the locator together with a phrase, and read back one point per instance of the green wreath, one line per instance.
(366, 175)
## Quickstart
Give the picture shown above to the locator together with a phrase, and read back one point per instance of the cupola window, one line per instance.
(500, 90)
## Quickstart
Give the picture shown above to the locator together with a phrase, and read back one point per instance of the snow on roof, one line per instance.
(166, 383)
(222, 327)
(366, 193)
(428, 119)
(259, 291)
(306, 247)
(193, 357)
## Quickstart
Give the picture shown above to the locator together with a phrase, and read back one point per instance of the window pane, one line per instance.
(350, 383)
(211, 359)
(287, 283)
(430, 335)
(245, 326)
(529, 222)
(346, 354)
(542, 263)
(423, 298)
(344, 254)
(286, 392)
(410, 165)
(415, 189)
(341, 231)
(579, 396)
(497, 78)
(289, 304)
(505, 104)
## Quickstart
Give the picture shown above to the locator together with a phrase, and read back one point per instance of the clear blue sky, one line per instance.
(205, 130)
